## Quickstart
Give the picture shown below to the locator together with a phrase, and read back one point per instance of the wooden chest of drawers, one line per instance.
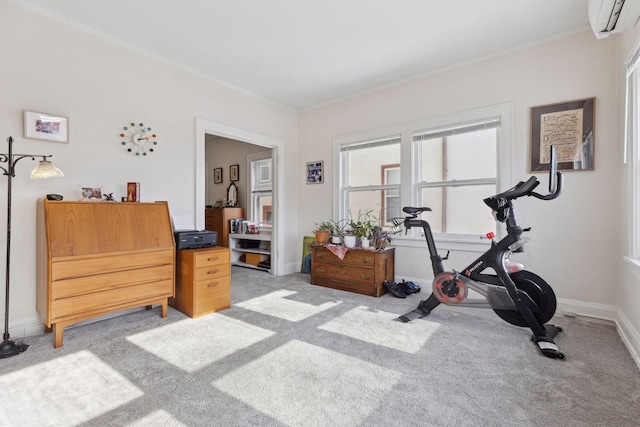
(361, 270)
(203, 282)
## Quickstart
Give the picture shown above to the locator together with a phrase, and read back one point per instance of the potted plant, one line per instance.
(362, 227)
(323, 230)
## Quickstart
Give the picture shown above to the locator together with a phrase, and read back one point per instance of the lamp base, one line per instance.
(10, 348)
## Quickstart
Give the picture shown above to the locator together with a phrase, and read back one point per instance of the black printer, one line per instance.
(193, 239)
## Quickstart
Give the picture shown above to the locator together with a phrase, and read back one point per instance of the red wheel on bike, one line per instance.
(539, 291)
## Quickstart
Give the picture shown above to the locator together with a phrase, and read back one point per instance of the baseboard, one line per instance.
(587, 309)
(630, 336)
(27, 327)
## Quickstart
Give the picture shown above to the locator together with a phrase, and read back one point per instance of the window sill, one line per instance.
(443, 243)
(635, 265)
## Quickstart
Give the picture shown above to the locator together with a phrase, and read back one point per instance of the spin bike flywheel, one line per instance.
(449, 289)
(539, 291)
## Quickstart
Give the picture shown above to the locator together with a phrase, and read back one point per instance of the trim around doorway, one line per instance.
(204, 126)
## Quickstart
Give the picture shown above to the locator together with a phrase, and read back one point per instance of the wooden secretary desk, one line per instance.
(95, 258)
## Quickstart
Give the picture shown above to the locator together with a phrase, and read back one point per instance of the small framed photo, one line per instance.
(217, 176)
(90, 193)
(570, 128)
(234, 172)
(46, 127)
(315, 172)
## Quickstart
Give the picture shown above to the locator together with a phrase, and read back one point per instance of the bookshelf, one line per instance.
(254, 248)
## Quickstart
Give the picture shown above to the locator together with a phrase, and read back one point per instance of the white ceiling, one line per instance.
(305, 53)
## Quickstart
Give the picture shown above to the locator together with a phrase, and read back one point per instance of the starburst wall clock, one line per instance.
(138, 139)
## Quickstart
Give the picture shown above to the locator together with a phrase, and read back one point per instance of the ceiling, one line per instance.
(306, 53)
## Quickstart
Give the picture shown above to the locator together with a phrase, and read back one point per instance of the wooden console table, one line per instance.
(361, 271)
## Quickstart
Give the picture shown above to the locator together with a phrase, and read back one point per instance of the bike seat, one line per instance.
(415, 211)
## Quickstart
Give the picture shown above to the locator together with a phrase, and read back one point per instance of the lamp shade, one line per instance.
(46, 170)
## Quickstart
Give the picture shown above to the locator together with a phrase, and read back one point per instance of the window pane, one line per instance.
(365, 164)
(465, 210)
(470, 155)
(262, 205)
(371, 201)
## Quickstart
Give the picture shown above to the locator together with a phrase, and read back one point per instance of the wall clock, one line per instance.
(138, 139)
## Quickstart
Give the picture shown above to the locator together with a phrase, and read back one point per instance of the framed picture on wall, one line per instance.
(234, 172)
(570, 128)
(45, 126)
(217, 176)
(315, 172)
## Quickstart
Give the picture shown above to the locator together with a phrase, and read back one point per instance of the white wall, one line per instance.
(574, 240)
(53, 68)
(628, 295)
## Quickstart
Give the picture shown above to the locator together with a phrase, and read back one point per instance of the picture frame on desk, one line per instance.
(90, 193)
(133, 191)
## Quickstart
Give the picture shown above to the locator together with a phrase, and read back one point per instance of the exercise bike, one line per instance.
(517, 296)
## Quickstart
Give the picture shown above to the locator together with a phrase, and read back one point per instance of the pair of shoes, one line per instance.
(409, 287)
(394, 288)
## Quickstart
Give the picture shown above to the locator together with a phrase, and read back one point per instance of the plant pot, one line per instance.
(364, 242)
(322, 236)
(336, 240)
(350, 241)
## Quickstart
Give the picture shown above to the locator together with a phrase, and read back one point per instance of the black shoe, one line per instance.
(409, 287)
(394, 288)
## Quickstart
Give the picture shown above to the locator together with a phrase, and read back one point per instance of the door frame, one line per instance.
(203, 127)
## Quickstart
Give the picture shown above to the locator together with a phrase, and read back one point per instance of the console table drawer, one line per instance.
(345, 273)
(353, 257)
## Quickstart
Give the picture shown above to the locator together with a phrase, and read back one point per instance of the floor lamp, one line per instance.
(45, 170)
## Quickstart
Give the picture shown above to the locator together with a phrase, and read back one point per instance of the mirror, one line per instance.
(232, 195)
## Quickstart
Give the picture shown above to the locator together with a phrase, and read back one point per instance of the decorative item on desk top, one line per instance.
(108, 197)
(138, 139)
(133, 191)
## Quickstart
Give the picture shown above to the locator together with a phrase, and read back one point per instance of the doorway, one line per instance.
(206, 127)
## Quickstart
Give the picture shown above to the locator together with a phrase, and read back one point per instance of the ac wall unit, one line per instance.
(613, 16)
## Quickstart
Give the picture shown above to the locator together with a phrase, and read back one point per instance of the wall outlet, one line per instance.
(569, 313)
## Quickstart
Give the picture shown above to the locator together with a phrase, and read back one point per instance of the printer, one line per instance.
(194, 239)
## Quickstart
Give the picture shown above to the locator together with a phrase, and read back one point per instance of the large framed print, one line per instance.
(570, 128)
(46, 127)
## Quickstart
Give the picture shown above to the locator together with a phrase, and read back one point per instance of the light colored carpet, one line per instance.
(291, 354)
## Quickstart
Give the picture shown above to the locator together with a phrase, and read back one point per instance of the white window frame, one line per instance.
(262, 155)
(631, 155)
(409, 178)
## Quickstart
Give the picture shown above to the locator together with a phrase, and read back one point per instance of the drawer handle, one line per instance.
(366, 276)
(212, 271)
(321, 270)
(213, 259)
(212, 285)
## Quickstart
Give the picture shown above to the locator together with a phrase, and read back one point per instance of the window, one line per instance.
(449, 164)
(456, 168)
(371, 172)
(391, 197)
(261, 191)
